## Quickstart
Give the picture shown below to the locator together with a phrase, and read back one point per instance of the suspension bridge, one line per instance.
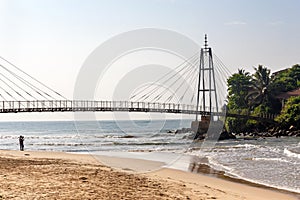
(195, 87)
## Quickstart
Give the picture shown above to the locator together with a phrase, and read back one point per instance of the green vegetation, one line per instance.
(256, 94)
(290, 113)
(287, 80)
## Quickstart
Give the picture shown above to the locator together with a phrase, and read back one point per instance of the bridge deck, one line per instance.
(112, 106)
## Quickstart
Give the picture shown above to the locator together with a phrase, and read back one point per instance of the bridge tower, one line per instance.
(206, 90)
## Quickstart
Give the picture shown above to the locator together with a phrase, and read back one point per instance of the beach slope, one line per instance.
(57, 175)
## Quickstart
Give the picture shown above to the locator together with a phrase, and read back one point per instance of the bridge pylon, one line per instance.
(207, 91)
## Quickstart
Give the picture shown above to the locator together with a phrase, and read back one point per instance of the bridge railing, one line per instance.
(84, 104)
(251, 114)
(88, 105)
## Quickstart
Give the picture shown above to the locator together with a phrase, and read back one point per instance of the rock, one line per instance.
(200, 137)
(190, 136)
(183, 130)
(281, 132)
(276, 134)
(272, 130)
(237, 134)
(290, 133)
(171, 131)
(267, 134)
(225, 136)
(294, 133)
(292, 128)
(128, 136)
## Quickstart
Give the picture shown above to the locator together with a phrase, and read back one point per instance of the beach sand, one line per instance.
(57, 175)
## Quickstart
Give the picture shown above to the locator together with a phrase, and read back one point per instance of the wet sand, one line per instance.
(57, 175)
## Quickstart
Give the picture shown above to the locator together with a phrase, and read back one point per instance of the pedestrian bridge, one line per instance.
(193, 81)
(116, 106)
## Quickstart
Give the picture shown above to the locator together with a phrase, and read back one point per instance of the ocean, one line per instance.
(273, 162)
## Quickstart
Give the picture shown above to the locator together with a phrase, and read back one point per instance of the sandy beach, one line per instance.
(57, 175)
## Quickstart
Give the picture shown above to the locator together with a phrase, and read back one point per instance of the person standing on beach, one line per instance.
(21, 142)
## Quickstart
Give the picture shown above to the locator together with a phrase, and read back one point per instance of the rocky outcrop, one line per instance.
(275, 132)
(183, 130)
(226, 136)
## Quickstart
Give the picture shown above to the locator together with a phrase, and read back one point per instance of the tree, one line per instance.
(290, 113)
(256, 94)
(287, 80)
(238, 87)
(260, 87)
(261, 96)
(294, 73)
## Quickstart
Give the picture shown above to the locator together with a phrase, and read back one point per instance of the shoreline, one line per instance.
(190, 164)
(209, 171)
(200, 181)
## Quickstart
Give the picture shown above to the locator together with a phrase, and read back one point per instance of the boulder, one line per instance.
(292, 128)
(225, 136)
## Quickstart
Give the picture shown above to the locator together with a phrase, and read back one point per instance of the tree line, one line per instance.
(257, 93)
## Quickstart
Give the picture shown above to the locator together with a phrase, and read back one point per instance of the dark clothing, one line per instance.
(21, 142)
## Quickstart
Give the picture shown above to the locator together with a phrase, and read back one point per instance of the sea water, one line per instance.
(272, 162)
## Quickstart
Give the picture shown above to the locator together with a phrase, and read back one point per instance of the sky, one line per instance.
(51, 39)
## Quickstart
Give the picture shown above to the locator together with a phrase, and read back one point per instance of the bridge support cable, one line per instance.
(168, 88)
(22, 89)
(18, 94)
(16, 81)
(222, 80)
(189, 79)
(163, 89)
(221, 84)
(14, 90)
(193, 85)
(189, 72)
(140, 94)
(28, 84)
(162, 77)
(2, 97)
(10, 95)
(149, 94)
(222, 65)
(32, 78)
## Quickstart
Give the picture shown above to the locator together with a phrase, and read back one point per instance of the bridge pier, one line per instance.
(201, 127)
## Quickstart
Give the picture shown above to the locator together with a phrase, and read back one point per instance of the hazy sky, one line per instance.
(50, 39)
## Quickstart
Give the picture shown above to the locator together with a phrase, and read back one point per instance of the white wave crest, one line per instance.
(247, 146)
(291, 153)
(271, 159)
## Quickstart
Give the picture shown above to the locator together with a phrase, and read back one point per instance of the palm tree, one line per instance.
(243, 72)
(260, 91)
